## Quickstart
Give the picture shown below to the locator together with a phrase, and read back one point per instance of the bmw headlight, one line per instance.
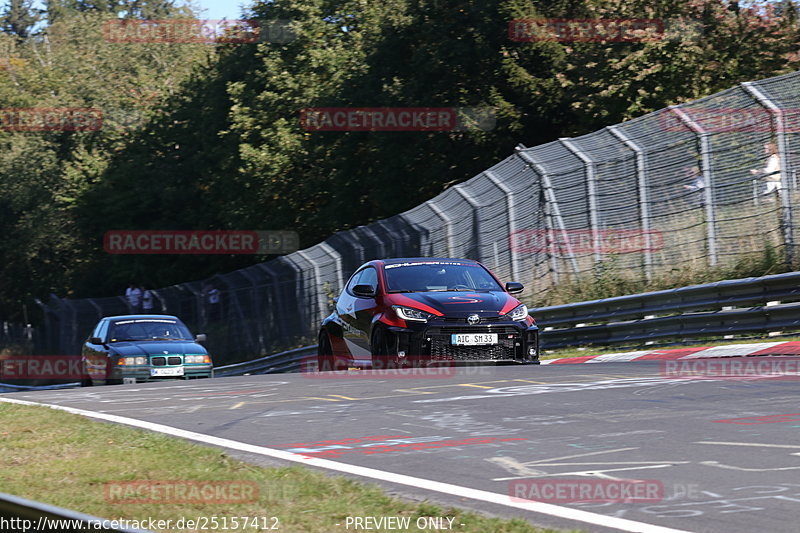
(197, 359)
(519, 313)
(409, 313)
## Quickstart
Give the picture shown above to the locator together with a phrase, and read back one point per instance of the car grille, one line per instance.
(506, 349)
(172, 360)
(442, 349)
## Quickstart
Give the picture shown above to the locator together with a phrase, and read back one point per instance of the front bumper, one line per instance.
(142, 373)
(431, 341)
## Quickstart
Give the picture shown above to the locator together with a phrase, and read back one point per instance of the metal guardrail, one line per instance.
(290, 361)
(19, 514)
(749, 305)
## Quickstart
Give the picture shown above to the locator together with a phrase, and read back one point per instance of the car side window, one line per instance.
(99, 329)
(102, 330)
(354, 281)
(369, 276)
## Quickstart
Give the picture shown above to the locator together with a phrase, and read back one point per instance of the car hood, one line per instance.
(137, 348)
(458, 304)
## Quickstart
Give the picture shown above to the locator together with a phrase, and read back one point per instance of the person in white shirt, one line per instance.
(771, 172)
(134, 296)
(147, 300)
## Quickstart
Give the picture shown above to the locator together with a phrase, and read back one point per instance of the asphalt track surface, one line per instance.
(724, 452)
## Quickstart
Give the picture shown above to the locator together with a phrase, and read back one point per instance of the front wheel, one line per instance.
(383, 348)
(325, 360)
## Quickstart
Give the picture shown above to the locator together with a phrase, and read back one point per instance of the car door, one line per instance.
(345, 312)
(365, 307)
(95, 355)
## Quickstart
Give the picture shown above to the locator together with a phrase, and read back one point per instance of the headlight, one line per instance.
(519, 313)
(408, 313)
(197, 359)
(130, 361)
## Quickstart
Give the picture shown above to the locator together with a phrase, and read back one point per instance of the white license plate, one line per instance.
(173, 371)
(473, 339)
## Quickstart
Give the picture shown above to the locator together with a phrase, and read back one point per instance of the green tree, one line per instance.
(19, 18)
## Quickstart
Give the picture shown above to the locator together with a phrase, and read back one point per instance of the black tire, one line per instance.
(86, 380)
(383, 348)
(325, 359)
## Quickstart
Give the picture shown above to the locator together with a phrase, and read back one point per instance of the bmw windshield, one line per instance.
(143, 329)
(438, 276)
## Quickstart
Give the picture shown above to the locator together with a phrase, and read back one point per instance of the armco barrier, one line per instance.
(19, 514)
(750, 305)
(289, 361)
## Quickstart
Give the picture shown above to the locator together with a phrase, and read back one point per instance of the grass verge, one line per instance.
(80, 464)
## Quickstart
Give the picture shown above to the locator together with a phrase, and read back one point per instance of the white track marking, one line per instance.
(749, 444)
(621, 524)
(734, 350)
(619, 357)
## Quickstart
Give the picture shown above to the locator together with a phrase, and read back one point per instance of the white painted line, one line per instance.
(756, 444)
(621, 524)
(733, 350)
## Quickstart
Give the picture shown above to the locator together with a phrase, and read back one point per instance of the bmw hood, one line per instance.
(140, 348)
(458, 304)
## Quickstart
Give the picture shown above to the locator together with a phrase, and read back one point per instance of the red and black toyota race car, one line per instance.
(414, 311)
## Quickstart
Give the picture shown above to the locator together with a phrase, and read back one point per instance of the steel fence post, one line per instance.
(552, 202)
(783, 151)
(448, 225)
(708, 189)
(474, 205)
(511, 220)
(591, 194)
(644, 197)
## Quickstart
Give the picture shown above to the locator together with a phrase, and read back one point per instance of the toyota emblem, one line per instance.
(473, 319)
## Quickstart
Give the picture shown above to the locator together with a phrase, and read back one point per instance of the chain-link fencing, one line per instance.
(700, 185)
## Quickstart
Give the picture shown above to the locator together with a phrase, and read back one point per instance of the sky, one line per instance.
(219, 9)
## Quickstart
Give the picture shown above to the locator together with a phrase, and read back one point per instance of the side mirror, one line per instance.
(364, 291)
(95, 340)
(512, 287)
(201, 337)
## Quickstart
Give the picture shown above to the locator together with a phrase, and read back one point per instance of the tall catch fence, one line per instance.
(669, 191)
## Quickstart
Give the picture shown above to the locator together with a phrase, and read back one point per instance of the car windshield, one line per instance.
(142, 329)
(438, 276)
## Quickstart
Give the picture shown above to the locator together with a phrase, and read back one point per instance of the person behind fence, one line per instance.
(147, 299)
(134, 296)
(213, 303)
(770, 174)
(696, 185)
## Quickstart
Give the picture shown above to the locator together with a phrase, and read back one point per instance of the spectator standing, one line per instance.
(771, 172)
(147, 300)
(134, 297)
(696, 185)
